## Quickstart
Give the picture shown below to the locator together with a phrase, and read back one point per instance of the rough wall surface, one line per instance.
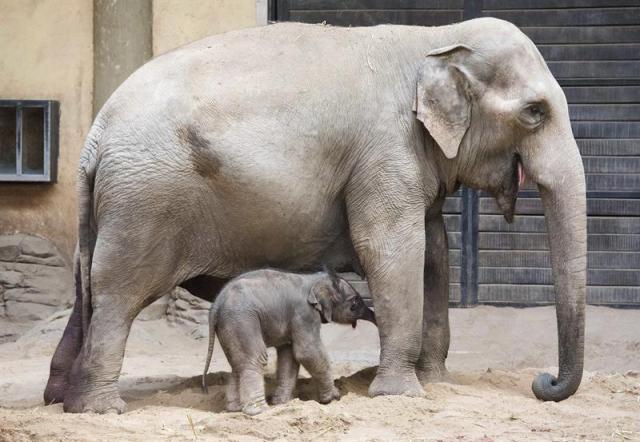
(177, 22)
(47, 53)
(35, 280)
(184, 308)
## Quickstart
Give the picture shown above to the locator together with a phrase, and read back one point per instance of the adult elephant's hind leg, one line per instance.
(119, 293)
(67, 350)
(435, 326)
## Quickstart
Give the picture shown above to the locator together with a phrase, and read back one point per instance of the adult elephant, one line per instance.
(296, 145)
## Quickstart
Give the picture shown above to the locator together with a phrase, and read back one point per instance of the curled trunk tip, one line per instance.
(546, 387)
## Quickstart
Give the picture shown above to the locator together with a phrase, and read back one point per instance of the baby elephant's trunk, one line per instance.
(370, 316)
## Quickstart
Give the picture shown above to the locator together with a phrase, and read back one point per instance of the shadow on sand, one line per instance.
(187, 392)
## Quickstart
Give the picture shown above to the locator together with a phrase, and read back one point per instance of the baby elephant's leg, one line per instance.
(287, 374)
(314, 357)
(247, 355)
(251, 388)
(233, 394)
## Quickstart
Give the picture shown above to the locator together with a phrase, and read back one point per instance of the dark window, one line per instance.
(28, 140)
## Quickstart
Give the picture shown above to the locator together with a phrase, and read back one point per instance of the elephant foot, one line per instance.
(333, 394)
(389, 384)
(100, 403)
(433, 373)
(233, 405)
(255, 408)
(280, 398)
(56, 389)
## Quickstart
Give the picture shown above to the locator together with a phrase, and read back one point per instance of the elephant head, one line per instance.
(496, 113)
(337, 301)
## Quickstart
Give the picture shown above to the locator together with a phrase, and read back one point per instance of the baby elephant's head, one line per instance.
(337, 301)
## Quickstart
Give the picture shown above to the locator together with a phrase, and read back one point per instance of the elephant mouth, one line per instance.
(354, 324)
(522, 176)
(508, 194)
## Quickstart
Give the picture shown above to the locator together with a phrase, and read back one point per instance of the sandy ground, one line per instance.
(495, 354)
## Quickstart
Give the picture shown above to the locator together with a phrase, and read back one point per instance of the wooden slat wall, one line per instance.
(373, 12)
(593, 49)
(452, 219)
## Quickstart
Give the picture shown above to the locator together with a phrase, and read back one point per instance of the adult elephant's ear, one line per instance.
(443, 96)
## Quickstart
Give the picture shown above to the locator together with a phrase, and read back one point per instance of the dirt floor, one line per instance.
(495, 353)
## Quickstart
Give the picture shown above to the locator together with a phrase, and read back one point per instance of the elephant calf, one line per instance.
(270, 308)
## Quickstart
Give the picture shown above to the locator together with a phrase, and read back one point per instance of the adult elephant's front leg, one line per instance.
(435, 326)
(390, 246)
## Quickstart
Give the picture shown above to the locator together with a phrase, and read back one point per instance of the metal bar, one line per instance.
(46, 142)
(273, 10)
(469, 248)
(54, 139)
(19, 139)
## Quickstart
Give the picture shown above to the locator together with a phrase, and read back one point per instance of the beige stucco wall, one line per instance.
(46, 53)
(177, 22)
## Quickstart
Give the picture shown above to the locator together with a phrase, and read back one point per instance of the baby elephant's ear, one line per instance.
(320, 298)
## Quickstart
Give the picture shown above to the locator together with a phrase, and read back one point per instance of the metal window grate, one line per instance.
(28, 140)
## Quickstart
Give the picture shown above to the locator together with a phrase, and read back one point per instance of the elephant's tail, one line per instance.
(212, 339)
(86, 235)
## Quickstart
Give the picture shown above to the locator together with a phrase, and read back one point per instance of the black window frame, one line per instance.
(50, 143)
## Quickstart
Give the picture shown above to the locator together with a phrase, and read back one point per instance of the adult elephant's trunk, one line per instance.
(559, 174)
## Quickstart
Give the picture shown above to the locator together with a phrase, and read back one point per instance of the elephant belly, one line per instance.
(299, 238)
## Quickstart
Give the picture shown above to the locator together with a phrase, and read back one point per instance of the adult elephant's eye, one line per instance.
(532, 115)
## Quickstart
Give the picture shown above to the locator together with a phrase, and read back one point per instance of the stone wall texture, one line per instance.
(35, 280)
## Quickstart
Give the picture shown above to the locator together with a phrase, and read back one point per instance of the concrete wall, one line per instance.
(121, 43)
(47, 49)
(46, 53)
(177, 22)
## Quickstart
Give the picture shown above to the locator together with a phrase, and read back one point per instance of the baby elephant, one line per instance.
(270, 308)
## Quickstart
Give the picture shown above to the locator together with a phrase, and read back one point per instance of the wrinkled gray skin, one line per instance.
(270, 308)
(294, 145)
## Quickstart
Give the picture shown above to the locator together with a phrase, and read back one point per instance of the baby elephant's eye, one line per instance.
(354, 305)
